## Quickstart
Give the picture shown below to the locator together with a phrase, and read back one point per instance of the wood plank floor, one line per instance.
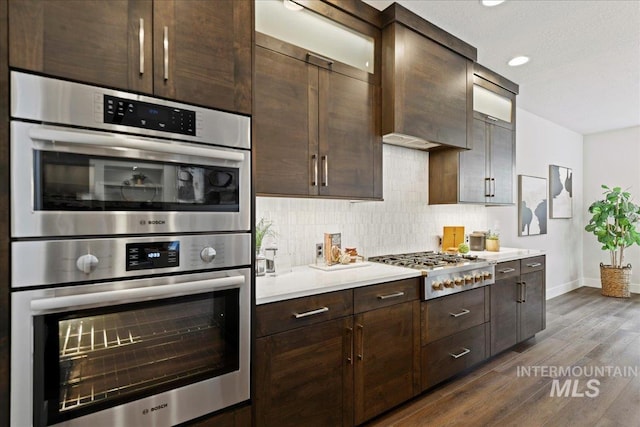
(584, 330)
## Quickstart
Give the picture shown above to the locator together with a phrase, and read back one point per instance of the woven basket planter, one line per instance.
(615, 281)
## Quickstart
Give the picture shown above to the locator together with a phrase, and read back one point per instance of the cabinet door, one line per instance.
(92, 41)
(504, 314)
(202, 52)
(386, 343)
(532, 308)
(304, 377)
(347, 135)
(474, 186)
(433, 90)
(502, 161)
(284, 120)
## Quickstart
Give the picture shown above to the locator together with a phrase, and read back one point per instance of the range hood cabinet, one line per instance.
(427, 89)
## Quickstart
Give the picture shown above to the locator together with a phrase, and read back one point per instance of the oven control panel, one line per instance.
(144, 256)
(129, 112)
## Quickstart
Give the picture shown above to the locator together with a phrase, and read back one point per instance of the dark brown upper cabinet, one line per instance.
(192, 51)
(316, 119)
(427, 88)
(485, 173)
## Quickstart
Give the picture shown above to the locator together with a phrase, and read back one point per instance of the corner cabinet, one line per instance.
(427, 82)
(316, 120)
(518, 302)
(192, 51)
(318, 364)
(485, 173)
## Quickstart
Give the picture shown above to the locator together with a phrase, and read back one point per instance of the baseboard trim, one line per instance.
(563, 288)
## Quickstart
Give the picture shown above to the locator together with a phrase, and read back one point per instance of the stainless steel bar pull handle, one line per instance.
(141, 42)
(361, 346)
(493, 187)
(464, 351)
(314, 182)
(487, 187)
(350, 338)
(534, 264)
(524, 291)
(320, 57)
(507, 270)
(325, 164)
(462, 313)
(165, 48)
(492, 118)
(393, 295)
(310, 313)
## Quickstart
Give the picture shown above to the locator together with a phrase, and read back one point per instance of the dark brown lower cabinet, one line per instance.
(455, 334)
(302, 378)
(448, 356)
(518, 302)
(384, 365)
(532, 306)
(337, 371)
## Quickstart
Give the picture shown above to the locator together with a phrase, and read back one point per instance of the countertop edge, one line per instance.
(399, 275)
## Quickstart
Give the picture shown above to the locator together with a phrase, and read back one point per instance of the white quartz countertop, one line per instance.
(304, 281)
(507, 254)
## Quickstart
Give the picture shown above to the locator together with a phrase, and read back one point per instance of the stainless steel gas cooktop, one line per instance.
(444, 274)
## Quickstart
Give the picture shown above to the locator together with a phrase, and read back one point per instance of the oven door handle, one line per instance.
(110, 141)
(135, 294)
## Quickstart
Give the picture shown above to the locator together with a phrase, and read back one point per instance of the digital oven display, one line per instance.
(144, 256)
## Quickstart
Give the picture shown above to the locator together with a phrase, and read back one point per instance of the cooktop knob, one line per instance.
(478, 277)
(458, 281)
(486, 274)
(208, 254)
(448, 283)
(436, 286)
(87, 263)
(468, 279)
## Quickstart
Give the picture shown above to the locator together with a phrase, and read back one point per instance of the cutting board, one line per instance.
(452, 236)
(336, 267)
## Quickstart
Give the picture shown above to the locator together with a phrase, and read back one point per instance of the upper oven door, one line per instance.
(71, 182)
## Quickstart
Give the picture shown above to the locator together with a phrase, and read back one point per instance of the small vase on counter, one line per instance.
(261, 263)
(493, 245)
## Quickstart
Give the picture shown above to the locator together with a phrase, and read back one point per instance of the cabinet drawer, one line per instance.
(446, 357)
(376, 296)
(505, 270)
(527, 265)
(290, 314)
(451, 314)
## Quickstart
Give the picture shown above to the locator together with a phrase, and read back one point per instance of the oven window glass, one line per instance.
(98, 358)
(76, 182)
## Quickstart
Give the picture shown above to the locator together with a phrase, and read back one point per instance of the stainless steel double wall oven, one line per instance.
(131, 257)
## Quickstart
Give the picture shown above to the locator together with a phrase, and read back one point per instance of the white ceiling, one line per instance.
(584, 72)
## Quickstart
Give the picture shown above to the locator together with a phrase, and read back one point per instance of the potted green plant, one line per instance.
(492, 241)
(263, 229)
(614, 223)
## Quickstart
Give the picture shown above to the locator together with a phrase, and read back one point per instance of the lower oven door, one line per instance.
(140, 352)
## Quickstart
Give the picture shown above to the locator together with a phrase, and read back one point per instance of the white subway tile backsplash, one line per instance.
(403, 222)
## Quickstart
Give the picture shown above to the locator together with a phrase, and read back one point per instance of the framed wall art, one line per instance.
(532, 205)
(560, 192)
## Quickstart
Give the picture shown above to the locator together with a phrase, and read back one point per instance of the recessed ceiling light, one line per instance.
(491, 3)
(292, 5)
(518, 60)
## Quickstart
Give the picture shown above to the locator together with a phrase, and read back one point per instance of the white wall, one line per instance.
(540, 143)
(612, 158)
